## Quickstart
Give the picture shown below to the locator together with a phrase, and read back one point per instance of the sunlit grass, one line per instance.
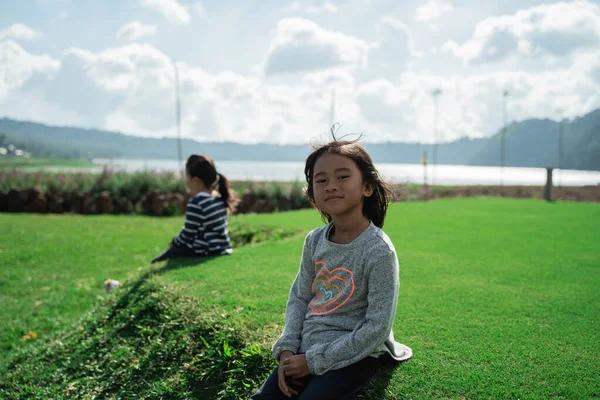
(499, 298)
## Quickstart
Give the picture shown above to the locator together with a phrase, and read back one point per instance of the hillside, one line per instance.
(530, 143)
(534, 143)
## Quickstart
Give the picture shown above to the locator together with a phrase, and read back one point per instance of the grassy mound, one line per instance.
(56, 266)
(149, 342)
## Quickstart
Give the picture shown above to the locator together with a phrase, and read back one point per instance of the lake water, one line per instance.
(396, 173)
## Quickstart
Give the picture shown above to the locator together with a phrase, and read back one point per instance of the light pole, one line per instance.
(560, 148)
(435, 93)
(178, 116)
(503, 137)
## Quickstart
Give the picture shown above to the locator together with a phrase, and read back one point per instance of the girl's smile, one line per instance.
(331, 198)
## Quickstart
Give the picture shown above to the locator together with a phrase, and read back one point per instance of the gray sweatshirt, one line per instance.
(343, 301)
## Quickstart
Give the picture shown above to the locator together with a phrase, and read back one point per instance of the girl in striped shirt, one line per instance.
(205, 229)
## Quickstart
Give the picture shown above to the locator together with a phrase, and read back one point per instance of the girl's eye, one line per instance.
(321, 181)
(344, 177)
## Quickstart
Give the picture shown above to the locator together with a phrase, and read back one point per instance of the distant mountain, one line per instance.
(534, 143)
(530, 143)
(93, 143)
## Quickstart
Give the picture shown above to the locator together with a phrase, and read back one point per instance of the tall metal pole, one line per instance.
(503, 139)
(425, 187)
(435, 93)
(178, 116)
(560, 150)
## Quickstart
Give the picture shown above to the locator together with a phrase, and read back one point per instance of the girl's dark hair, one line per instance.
(203, 167)
(374, 206)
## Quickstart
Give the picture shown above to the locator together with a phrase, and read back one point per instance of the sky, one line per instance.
(282, 71)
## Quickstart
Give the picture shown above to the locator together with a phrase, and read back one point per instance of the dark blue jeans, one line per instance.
(339, 384)
(175, 252)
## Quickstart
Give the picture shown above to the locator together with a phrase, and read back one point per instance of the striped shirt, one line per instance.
(205, 229)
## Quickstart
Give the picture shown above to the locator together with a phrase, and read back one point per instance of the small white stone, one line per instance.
(111, 284)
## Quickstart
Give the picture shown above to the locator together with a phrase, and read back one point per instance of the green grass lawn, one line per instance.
(499, 298)
(19, 162)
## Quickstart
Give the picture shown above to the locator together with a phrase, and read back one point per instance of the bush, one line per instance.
(142, 189)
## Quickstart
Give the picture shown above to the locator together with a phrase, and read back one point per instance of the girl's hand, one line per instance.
(282, 379)
(296, 366)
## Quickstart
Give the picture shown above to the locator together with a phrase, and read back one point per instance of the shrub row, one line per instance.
(149, 193)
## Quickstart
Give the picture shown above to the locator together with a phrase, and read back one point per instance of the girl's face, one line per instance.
(338, 185)
(188, 180)
(194, 184)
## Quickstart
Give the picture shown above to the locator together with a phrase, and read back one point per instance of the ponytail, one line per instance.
(225, 192)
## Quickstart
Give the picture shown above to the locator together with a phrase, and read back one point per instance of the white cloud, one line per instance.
(123, 68)
(471, 105)
(326, 7)
(199, 9)
(31, 106)
(548, 31)
(20, 32)
(224, 106)
(136, 30)
(380, 102)
(339, 79)
(18, 66)
(131, 88)
(170, 9)
(300, 45)
(230, 106)
(432, 10)
(132, 85)
(388, 29)
(393, 50)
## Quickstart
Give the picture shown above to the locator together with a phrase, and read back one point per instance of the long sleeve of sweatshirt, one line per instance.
(193, 220)
(297, 305)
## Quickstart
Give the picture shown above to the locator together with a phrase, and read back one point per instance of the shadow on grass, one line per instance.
(172, 264)
(377, 388)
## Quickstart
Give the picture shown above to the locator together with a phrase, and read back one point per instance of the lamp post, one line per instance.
(503, 138)
(560, 149)
(435, 93)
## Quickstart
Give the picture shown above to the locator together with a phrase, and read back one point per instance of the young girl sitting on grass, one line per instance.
(205, 229)
(342, 303)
